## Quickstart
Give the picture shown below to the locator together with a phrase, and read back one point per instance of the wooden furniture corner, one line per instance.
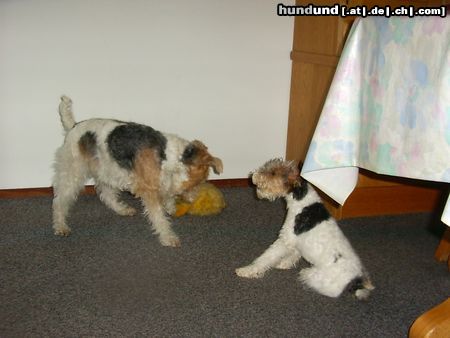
(434, 323)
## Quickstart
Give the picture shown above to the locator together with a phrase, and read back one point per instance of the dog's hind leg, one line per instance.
(329, 280)
(61, 206)
(110, 196)
(68, 182)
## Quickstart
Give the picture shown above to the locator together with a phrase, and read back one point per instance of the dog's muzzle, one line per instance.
(261, 194)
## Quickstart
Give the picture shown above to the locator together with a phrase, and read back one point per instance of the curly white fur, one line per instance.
(334, 263)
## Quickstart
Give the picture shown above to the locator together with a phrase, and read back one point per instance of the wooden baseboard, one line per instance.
(89, 189)
(367, 200)
(232, 183)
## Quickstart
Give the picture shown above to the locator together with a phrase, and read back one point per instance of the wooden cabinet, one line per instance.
(317, 45)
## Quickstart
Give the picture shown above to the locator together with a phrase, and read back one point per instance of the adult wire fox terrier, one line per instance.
(124, 156)
(309, 232)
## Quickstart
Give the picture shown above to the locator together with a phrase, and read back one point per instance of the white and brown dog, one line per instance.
(124, 156)
(309, 232)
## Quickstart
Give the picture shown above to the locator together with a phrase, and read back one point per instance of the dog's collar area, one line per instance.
(299, 189)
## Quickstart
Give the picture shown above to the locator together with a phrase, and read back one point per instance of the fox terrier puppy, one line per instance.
(309, 232)
(124, 156)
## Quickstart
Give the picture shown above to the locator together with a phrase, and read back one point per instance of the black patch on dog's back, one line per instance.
(309, 217)
(88, 143)
(126, 140)
(300, 191)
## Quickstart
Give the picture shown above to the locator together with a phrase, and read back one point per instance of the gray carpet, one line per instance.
(112, 278)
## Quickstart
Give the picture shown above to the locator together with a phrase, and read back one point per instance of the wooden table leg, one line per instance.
(442, 253)
(434, 323)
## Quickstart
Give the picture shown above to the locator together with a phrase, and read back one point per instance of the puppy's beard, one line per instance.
(264, 195)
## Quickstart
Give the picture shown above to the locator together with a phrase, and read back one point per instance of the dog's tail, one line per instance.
(332, 280)
(66, 114)
(361, 287)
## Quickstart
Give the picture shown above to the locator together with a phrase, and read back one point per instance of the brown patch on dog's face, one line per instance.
(198, 161)
(275, 178)
(147, 170)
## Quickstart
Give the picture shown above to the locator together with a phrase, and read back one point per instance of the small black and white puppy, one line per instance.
(309, 232)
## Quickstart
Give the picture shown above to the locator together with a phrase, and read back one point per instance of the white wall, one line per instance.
(214, 70)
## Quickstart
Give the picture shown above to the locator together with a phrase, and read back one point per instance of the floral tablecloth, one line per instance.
(388, 107)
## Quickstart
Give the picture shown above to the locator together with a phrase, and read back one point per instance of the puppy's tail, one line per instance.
(66, 114)
(333, 279)
(361, 287)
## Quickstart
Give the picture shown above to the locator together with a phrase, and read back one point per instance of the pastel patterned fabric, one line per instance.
(388, 107)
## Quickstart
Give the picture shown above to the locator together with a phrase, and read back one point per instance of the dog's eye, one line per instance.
(189, 153)
(273, 173)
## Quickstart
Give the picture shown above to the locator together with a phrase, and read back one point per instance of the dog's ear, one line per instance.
(196, 153)
(216, 164)
(190, 153)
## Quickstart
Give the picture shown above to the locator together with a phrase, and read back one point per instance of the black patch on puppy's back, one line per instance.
(88, 143)
(309, 217)
(126, 140)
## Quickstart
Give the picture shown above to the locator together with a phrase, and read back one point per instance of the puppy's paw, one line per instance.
(249, 271)
(62, 231)
(170, 240)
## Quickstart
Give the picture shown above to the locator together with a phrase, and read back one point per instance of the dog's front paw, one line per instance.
(170, 240)
(62, 231)
(249, 271)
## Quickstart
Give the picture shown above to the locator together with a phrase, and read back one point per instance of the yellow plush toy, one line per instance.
(209, 201)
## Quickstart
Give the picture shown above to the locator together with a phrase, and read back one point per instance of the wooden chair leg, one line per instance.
(434, 323)
(442, 253)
